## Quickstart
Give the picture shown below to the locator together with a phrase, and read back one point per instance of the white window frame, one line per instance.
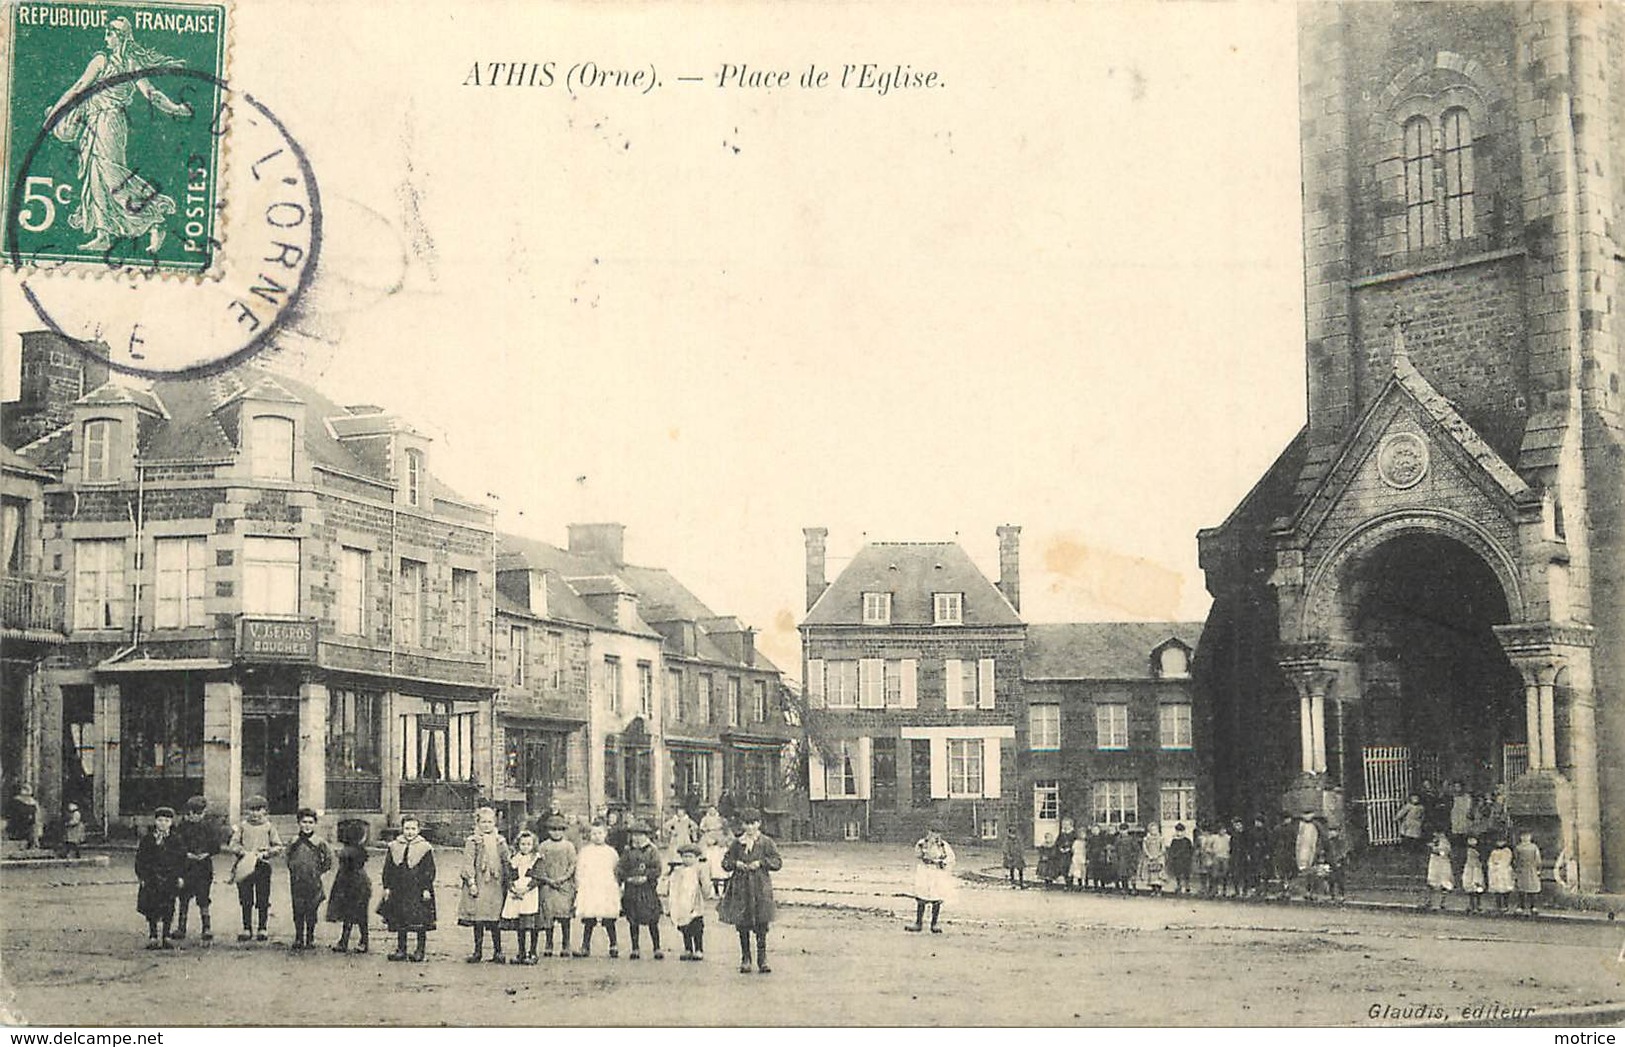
(1044, 727)
(1116, 801)
(555, 658)
(355, 576)
(464, 606)
(519, 655)
(841, 683)
(411, 599)
(646, 689)
(100, 436)
(414, 476)
(877, 608)
(759, 701)
(707, 691)
(947, 608)
(99, 593)
(990, 828)
(612, 682)
(270, 447)
(272, 572)
(1176, 802)
(454, 745)
(1047, 799)
(844, 755)
(853, 831)
(674, 695)
(1173, 671)
(1111, 725)
(965, 767)
(1174, 725)
(180, 568)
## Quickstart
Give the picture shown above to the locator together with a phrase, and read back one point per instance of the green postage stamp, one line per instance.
(113, 135)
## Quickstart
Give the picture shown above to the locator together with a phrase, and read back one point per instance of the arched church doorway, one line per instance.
(1441, 704)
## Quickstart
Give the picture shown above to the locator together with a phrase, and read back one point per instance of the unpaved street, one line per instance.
(71, 948)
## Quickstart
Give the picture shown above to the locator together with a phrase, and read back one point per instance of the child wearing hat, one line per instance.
(748, 902)
(638, 871)
(686, 893)
(555, 873)
(159, 862)
(199, 840)
(255, 842)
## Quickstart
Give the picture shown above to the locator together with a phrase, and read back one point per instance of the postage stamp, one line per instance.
(113, 135)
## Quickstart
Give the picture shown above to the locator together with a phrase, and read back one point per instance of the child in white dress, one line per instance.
(598, 892)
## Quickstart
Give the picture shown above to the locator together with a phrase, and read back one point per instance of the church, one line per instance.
(1428, 584)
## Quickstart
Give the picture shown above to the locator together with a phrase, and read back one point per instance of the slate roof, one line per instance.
(911, 572)
(17, 464)
(563, 605)
(1101, 650)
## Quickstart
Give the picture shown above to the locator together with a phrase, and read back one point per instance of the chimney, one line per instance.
(747, 646)
(605, 540)
(815, 563)
(1010, 564)
(56, 371)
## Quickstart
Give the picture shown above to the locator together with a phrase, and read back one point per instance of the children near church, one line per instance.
(598, 893)
(1499, 874)
(1153, 858)
(686, 892)
(1181, 853)
(309, 859)
(522, 908)
(351, 899)
(255, 842)
(934, 877)
(555, 873)
(485, 884)
(1526, 872)
(159, 863)
(748, 904)
(1440, 881)
(199, 841)
(408, 880)
(638, 871)
(1472, 876)
(1015, 858)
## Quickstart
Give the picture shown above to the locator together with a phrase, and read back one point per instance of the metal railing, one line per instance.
(33, 603)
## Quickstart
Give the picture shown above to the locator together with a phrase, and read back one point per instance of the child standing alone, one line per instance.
(1015, 859)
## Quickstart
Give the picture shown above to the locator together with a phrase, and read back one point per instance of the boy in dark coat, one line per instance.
(1181, 852)
(639, 872)
(309, 858)
(159, 862)
(199, 840)
(748, 902)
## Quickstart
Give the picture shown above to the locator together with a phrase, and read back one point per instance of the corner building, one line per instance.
(912, 662)
(1429, 583)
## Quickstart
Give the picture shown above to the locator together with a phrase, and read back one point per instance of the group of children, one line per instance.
(1128, 859)
(534, 887)
(1506, 870)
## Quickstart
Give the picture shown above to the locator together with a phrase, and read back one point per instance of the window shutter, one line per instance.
(939, 767)
(409, 746)
(910, 695)
(815, 683)
(953, 683)
(815, 774)
(990, 768)
(866, 752)
(872, 683)
(984, 689)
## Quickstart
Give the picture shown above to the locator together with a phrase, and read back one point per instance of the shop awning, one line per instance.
(163, 665)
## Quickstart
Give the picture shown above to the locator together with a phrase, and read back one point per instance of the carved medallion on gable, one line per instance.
(1402, 460)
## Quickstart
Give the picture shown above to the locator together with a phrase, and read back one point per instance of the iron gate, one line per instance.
(1387, 787)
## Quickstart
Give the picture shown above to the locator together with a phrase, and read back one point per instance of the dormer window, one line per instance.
(414, 477)
(877, 608)
(947, 608)
(101, 434)
(271, 448)
(1173, 661)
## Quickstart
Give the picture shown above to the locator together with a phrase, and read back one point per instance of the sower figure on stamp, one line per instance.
(115, 201)
(408, 881)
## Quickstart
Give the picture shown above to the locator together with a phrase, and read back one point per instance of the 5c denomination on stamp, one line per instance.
(113, 135)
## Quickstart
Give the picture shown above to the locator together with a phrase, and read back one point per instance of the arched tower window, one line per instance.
(1420, 230)
(1458, 174)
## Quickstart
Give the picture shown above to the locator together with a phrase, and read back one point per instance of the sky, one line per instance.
(1060, 288)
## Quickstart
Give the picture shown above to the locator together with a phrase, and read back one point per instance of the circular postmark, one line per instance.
(196, 257)
(1402, 460)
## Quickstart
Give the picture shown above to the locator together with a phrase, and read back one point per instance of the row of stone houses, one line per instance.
(930, 699)
(230, 585)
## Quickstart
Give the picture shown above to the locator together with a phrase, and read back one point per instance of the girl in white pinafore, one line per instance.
(598, 893)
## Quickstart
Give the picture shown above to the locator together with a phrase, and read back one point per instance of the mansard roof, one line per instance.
(912, 572)
(1101, 650)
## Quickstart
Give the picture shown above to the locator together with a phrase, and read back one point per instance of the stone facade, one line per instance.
(1462, 271)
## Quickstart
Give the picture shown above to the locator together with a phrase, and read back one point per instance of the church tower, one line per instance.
(1428, 586)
